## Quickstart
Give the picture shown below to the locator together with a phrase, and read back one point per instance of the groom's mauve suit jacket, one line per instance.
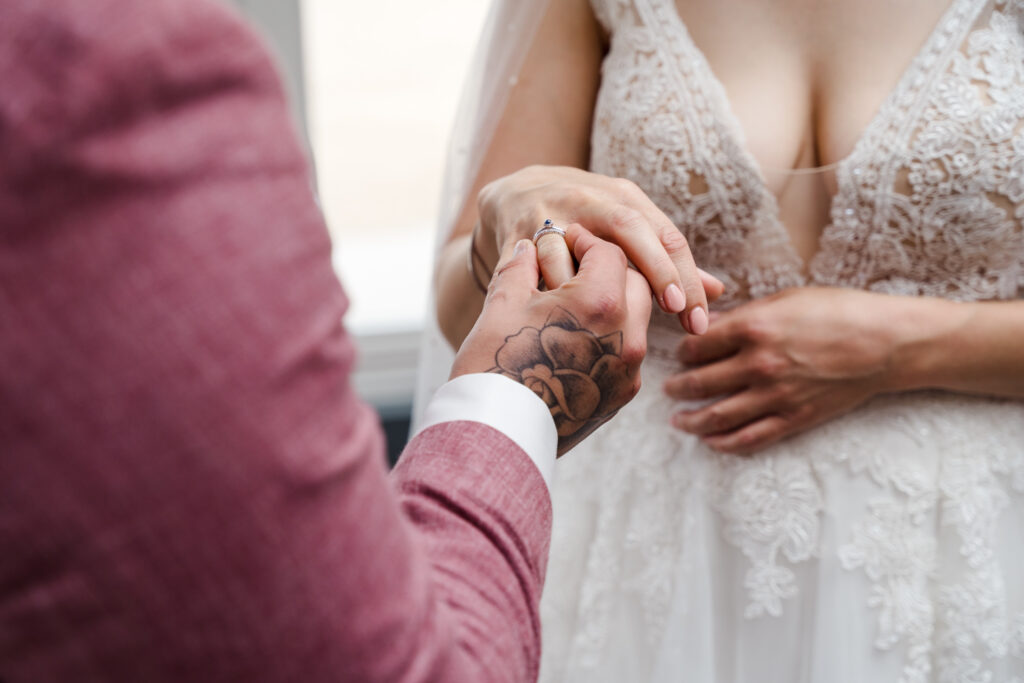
(189, 488)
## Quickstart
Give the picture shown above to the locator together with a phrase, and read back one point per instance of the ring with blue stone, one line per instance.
(548, 228)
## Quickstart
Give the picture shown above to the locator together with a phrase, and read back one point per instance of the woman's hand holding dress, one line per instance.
(780, 365)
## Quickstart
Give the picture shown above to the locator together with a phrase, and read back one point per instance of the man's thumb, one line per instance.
(518, 271)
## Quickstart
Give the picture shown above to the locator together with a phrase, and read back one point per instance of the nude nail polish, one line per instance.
(674, 299)
(698, 321)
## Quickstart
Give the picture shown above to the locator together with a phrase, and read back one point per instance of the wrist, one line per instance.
(479, 268)
(924, 330)
(459, 300)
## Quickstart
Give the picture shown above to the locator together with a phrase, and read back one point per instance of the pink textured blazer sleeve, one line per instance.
(189, 488)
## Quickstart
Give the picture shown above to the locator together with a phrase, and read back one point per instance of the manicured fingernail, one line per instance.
(674, 299)
(698, 321)
(521, 246)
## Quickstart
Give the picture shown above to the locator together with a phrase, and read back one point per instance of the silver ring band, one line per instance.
(547, 229)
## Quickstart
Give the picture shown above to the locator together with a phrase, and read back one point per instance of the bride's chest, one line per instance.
(803, 78)
(918, 105)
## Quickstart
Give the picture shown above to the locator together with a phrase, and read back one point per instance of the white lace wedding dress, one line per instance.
(886, 545)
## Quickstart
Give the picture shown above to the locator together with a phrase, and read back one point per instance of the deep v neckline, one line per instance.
(917, 75)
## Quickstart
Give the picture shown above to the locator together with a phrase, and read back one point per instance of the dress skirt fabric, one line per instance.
(885, 545)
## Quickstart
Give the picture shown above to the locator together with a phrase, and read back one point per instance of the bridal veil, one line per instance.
(506, 37)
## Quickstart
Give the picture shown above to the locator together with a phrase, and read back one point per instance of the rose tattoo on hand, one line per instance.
(580, 376)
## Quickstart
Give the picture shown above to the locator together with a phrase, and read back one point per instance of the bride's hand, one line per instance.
(514, 207)
(780, 365)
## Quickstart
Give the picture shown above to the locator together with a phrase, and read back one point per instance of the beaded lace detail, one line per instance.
(930, 202)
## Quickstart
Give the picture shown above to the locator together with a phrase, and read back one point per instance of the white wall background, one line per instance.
(383, 82)
(377, 83)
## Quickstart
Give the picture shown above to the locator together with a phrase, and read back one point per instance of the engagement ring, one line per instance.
(548, 228)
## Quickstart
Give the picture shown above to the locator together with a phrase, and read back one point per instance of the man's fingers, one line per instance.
(556, 266)
(638, 314)
(612, 287)
(516, 272)
(604, 275)
(602, 264)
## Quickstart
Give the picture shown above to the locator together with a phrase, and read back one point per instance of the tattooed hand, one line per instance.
(577, 346)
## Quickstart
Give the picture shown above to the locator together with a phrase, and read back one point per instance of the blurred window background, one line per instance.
(374, 88)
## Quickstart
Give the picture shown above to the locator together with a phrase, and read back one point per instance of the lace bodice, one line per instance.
(930, 201)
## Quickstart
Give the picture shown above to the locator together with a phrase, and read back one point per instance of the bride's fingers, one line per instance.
(556, 265)
(720, 342)
(632, 230)
(670, 242)
(713, 287)
(630, 219)
(709, 381)
(751, 438)
(725, 415)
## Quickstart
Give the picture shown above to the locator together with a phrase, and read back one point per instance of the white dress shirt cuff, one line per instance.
(505, 405)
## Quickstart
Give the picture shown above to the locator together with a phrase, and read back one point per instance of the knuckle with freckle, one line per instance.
(633, 353)
(604, 311)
